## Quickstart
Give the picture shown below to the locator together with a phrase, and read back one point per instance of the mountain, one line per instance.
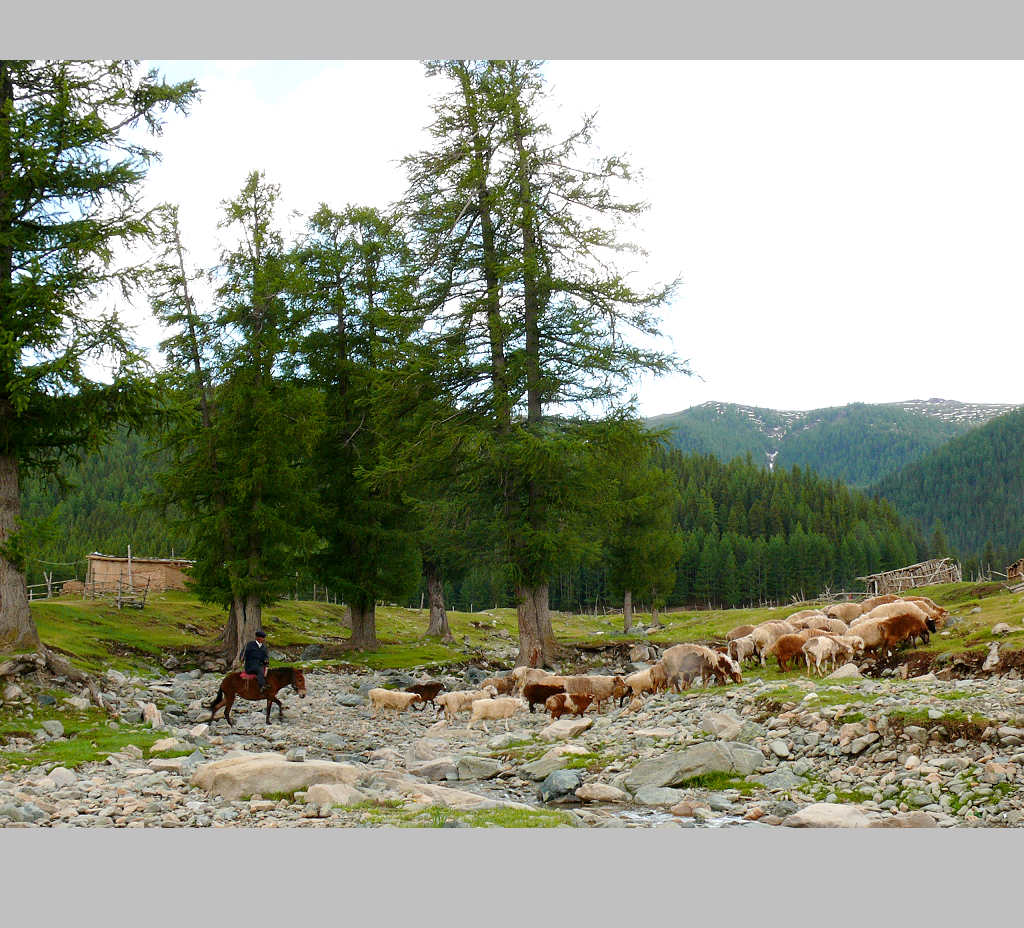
(973, 487)
(859, 444)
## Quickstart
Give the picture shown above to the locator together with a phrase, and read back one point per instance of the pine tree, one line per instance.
(69, 182)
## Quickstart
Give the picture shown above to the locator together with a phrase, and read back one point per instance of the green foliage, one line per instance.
(970, 490)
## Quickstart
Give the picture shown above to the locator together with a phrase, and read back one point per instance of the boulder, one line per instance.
(428, 794)
(657, 796)
(77, 702)
(250, 773)
(13, 692)
(151, 714)
(440, 768)
(166, 744)
(335, 794)
(724, 725)
(673, 767)
(601, 792)
(828, 815)
(916, 819)
(312, 652)
(555, 759)
(689, 808)
(566, 728)
(53, 728)
(424, 749)
(474, 767)
(1001, 628)
(559, 785)
(351, 700)
(781, 779)
(61, 777)
(846, 672)
(992, 658)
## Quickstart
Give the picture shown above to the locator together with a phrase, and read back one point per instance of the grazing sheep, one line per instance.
(764, 636)
(651, 680)
(389, 699)
(502, 685)
(600, 687)
(868, 604)
(929, 608)
(537, 693)
(561, 703)
(740, 631)
(868, 631)
(530, 675)
(742, 648)
(906, 627)
(799, 619)
(500, 707)
(852, 645)
(820, 650)
(426, 692)
(787, 647)
(457, 700)
(845, 611)
(897, 607)
(836, 626)
(720, 665)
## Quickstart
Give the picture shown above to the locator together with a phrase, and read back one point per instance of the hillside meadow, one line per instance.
(178, 629)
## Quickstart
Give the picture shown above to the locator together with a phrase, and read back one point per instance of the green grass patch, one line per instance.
(437, 816)
(718, 781)
(82, 746)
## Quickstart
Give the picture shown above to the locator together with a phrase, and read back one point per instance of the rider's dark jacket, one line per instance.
(254, 655)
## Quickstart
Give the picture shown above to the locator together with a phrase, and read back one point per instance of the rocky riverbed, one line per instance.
(848, 751)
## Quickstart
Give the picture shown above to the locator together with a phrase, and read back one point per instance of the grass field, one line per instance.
(97, 636)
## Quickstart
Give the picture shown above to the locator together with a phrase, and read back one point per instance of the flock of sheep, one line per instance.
(837, 633)
(822, 637)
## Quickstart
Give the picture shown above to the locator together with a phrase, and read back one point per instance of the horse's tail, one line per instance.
(220, 696)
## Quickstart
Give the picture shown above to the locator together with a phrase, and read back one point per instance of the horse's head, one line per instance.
(299, 682)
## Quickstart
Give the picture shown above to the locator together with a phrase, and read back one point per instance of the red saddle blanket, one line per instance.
(247, 676)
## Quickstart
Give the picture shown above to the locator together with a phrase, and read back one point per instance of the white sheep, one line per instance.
(503, 707)
(845, 611)
(742, 648)
(457, 700)
(766, 634)
(896, 607)
(389, 699)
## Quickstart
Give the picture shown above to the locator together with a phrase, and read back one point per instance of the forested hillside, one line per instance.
(859, 443)
(971, 489)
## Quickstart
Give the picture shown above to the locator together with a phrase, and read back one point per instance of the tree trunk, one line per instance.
(17, 627)
(244, 618)
(627, 611)
(438, 627)
(364, 626)
(537, 645)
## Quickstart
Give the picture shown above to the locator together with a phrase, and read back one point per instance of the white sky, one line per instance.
(845, 231)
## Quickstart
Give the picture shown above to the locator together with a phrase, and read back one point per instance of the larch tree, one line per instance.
(357, 287)
(71, 169)
(239, 441)
(518, 238)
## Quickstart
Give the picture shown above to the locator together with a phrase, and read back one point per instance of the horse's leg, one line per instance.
(229, 700)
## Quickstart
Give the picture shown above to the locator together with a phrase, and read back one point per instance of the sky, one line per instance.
(844, 231)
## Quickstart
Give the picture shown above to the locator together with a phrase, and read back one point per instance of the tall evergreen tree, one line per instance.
(69, 199)
(516, 232)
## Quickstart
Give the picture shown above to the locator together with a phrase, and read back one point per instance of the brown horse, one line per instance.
(235, 685)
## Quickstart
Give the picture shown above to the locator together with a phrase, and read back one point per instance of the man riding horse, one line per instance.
(257, 659)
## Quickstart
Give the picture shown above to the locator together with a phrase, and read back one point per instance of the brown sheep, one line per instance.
(902, 628)
(739, 631)
(537, 693)
(766, 633)
(599, 687)
(787, 647)
(426, 692)
(561, 703)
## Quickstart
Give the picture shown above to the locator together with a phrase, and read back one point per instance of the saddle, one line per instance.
(247, 676)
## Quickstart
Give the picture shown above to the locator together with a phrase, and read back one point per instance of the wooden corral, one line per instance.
(108, 573)
(937, 570)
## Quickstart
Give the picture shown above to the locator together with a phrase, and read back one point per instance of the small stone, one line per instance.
(779, 748)
(296, 755)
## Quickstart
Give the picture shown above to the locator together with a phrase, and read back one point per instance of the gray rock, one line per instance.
(53, 728)
(781, 779)
(24, 812)
(474, 675)
(351, 700)
(725, 725)
(657, 796)
(441, 768)
(45, 699)
(473, 767)
(296, 755)
(560, 784)
(779, 748)
(311, 652)
(674, 767)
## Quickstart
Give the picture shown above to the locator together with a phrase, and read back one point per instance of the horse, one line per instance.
(246, 686)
